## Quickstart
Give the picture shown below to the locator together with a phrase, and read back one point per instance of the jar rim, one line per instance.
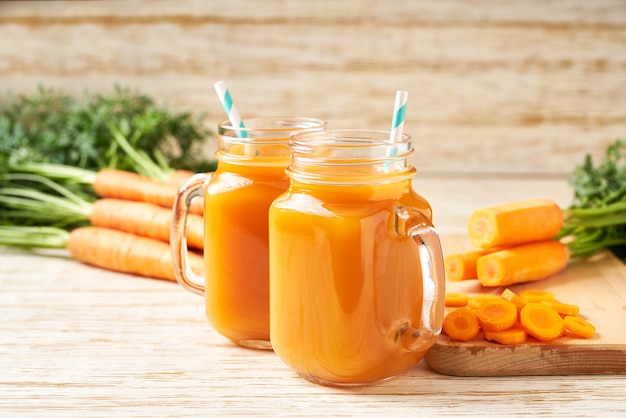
(348, 136)
(262, 126)
(350, 156)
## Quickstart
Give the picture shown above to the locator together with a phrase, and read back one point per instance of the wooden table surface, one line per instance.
(79, 341)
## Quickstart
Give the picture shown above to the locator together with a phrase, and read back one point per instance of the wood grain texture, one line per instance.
(79, 341)
(506, 88)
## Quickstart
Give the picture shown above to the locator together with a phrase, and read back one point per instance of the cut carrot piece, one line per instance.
(536, 295)
(578, 326)
(456, 299)
(496, 315)
(513, 335)
(514, 298)
(564, 309)
(475, 301)
(461, 325)
(541, 321)
(524, 263)
(515, 223)
(462, 266)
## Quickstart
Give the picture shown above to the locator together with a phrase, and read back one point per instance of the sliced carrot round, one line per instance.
(461, 324)
(513, 335)
(578, 326)
(497, 314)
(541, 321)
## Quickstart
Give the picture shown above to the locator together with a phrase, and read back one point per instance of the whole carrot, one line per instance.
(523, 263)
(126, 253)
(64, 207)
(515, 223)
(127, 185)
(144, 219)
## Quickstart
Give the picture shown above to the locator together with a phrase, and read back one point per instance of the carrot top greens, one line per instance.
(50, 126)
(596, 218)
(604, 184)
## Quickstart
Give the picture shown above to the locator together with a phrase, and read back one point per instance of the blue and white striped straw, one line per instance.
(399, 111)
(229, 107)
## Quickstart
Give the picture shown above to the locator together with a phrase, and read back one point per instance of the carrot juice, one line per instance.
(344, 284)
(251, 163)
(236, 248)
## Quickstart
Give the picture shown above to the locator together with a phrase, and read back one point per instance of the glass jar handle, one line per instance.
(412, 223)
(193, 188)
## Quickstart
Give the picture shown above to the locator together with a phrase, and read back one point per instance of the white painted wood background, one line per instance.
(498, 88)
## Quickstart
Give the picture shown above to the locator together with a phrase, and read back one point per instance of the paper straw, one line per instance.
(397, 124)
(229, 107)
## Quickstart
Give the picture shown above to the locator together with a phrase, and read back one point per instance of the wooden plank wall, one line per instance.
(516, 88)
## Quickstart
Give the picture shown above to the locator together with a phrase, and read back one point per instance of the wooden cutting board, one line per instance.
(597, 286)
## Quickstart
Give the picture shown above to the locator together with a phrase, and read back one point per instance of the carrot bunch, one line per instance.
(515, 243)
(510, 318)
(125, 229)
(130, 226)
(99, 177)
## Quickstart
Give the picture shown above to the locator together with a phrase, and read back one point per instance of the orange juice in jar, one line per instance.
(356, 270)
(250, 174)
